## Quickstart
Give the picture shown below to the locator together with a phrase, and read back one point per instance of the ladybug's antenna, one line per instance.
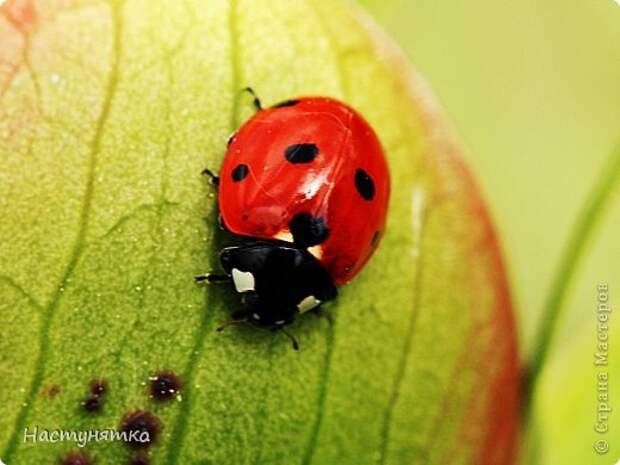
(215, 179)
(231, 323)
(257, 104)
(291, 337)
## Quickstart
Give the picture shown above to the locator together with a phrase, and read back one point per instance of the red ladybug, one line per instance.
(307, 182)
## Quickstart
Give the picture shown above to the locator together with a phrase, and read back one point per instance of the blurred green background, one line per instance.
(533, 89)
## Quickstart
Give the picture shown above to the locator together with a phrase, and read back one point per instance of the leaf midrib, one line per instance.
(179, 431)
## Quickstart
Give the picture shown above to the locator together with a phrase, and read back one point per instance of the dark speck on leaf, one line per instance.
(98, 386)
(165, 385)
(139, 458)
(51, 391)
(76, 458)
(145, 427)
(92, 404)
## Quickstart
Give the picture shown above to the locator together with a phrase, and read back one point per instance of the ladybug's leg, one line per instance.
(290, 336)
(212, 278)
(230, 323)
(257, 103)
(238, 317)
(215, 179)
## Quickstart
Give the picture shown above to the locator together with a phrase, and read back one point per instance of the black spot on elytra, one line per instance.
(364, 184)
(308, 230)
(76, 458)
(240, 172)
(146, 428)
(164, 385)
(139, 458)
(92, 404)
(301, 153)
(98, 387)
(286, 103)
(375, 238)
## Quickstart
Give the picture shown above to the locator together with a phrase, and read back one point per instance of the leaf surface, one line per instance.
(108, 114)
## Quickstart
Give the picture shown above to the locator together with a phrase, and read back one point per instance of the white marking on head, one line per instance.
(317, 251)
(280, 322)
(244, 280)
(256, 316)
(308, 303)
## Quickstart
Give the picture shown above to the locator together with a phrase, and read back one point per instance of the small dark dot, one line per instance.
(375, 238)
(364, 184)
(51, 391)
(301, 153)
(76, 458)
(286, 103)
(240, 172)
(308, 230)
(165, 385)
(92, 404)
(98, 386)
(139, 458)
(146, 427)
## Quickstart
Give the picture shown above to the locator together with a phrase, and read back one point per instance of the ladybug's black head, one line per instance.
(277, 281)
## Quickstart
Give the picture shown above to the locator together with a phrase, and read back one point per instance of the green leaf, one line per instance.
(108, 114)
(585, 279)
(574, 253)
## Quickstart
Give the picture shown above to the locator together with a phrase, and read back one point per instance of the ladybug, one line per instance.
(306, 184)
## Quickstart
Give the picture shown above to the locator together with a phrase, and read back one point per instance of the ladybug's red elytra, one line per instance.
(307, 183)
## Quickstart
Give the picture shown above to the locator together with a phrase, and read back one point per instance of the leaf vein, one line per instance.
(179, 431)
(12, 283)
(406, 350)
(323, 384)
(95, 148)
